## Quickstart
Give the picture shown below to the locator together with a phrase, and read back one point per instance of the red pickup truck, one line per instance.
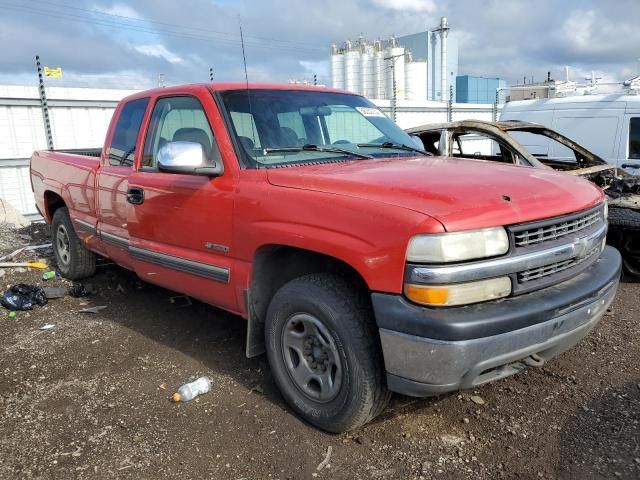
(362, 264)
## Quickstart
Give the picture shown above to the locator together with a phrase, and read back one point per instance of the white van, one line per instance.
(608, 125)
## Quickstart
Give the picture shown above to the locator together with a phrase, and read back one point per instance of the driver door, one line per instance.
(180, 225)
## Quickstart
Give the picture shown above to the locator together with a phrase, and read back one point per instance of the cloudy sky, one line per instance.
(127, 43)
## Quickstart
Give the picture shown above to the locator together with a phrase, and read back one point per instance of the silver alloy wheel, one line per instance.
(311, 357)
(62, 244)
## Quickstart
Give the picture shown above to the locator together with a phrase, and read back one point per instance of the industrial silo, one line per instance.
(415, 80)
(379, 71)
(337, 67)
(352, 68)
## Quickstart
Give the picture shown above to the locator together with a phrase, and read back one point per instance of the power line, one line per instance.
(142, 29)
(184, 27)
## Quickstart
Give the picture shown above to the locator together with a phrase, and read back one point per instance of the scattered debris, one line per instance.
(326, 460)
(12, 314)
(79, 290)
(181, 301)
(24, 264)
(257, 388)
(476, 399)
(23, 297)
(93, 309)
(120, 289)
(49, 275)
(48, 326)
(13, 254)
(189, 391)
(451, 440)
(162, 386)
(55, 292)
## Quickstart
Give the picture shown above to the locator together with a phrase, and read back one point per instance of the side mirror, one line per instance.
(187, 157)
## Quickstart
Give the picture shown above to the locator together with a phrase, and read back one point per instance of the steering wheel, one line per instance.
(340, 142)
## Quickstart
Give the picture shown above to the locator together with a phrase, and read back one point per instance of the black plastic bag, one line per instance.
(23, 297)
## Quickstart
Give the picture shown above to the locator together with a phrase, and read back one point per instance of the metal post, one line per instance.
(44, 106)
(394, 95)
(211, 74)
(495, 105)
(450, 105)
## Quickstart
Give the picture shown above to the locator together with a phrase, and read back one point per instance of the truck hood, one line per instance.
(460, 194)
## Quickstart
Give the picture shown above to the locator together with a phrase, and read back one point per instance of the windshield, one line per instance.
(273, 126)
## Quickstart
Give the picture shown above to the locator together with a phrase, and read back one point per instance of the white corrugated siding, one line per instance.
(74, 125)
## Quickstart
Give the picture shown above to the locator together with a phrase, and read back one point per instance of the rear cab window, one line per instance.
(123, 144)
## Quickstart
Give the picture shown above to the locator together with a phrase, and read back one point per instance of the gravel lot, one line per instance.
(89, 399)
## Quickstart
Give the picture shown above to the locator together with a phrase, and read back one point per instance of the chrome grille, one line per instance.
(534, 236)
(553, 268)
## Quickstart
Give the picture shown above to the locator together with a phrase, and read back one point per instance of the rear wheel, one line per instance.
(624, 234)
(74, 261)
(324, 352)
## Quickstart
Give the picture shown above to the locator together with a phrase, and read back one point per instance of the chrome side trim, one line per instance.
(85, 226)
(205, 270)
(116, 240)
(506, 265)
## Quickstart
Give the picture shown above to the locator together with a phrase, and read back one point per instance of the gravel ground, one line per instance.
(89, 399)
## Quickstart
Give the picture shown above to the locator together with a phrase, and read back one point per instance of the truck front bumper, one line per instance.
(431, 351)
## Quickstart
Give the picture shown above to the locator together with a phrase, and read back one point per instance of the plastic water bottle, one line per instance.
(189, 391)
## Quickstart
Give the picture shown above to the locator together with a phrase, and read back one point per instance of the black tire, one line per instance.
(74, 261)
(346, 320)
(624, 234)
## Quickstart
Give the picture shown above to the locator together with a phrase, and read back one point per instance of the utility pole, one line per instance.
(495, 105)
(161, 80)
(315, 80)
(211, 74)
(394, 89)
(44, 106)
(450, 105)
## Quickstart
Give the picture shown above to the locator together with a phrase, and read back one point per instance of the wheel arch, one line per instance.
(52, 202)
(275, 265)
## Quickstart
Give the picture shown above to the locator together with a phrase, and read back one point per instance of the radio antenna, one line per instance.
(244, 57)
(246, 80)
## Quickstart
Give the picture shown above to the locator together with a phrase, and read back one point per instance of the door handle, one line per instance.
(630, 165)
(135, 195)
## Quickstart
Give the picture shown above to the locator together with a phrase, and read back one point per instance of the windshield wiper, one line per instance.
(396, 146)
(311, 147)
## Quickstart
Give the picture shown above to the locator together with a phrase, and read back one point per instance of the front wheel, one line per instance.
(74, 261)
(325, 353)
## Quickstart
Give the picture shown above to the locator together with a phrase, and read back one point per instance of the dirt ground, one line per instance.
(89, 399)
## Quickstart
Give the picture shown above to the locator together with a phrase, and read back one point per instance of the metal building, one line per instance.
(416, 59)
(470, 89)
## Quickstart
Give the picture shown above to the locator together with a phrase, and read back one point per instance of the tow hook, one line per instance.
(534, 361)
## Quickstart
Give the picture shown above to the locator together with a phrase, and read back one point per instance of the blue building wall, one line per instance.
(470, 89)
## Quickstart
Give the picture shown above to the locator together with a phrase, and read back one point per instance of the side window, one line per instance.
(123, 145)
(178, 119)
(634, 138)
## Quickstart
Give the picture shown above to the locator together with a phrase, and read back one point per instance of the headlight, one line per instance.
(458, 294)
(458, 246)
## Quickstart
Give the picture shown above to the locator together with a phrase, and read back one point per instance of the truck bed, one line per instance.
(69, 174)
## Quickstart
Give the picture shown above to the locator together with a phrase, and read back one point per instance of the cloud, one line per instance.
(158, 51)
(427, 6)
(287, 39)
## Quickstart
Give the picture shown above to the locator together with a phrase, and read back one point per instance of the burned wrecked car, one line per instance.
(534, 145)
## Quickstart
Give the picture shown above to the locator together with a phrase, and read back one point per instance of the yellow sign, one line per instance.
(53, 72)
